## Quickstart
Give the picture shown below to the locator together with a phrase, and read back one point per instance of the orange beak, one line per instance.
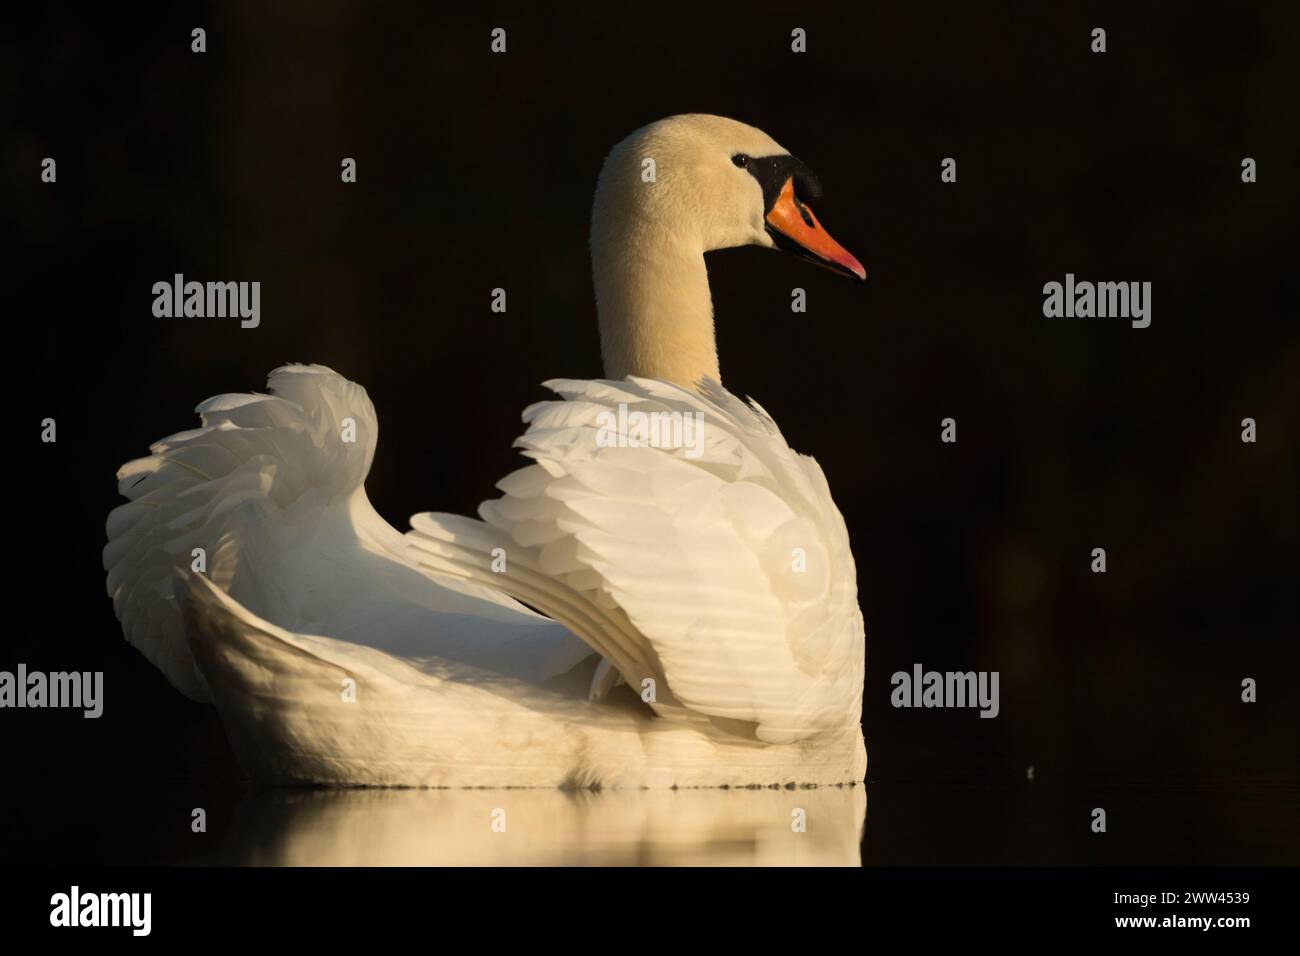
(794, 227)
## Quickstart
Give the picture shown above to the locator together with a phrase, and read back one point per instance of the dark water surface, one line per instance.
(883, 823)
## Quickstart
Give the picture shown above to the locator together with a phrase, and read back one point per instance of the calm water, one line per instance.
(882, 823)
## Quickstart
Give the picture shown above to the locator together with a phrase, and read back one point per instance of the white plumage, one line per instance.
(726, 579)
(714, 580)
(274, 497)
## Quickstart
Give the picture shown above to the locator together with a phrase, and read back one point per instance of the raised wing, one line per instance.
(269, 489)
(678, 534)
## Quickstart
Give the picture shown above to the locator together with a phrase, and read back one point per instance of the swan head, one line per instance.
(669, 193)
(697, 182)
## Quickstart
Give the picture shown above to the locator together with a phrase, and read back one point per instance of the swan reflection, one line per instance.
(549, 827)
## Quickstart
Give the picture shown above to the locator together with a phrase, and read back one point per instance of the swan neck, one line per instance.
(655, 310)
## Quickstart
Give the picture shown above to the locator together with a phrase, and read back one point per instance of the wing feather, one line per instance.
(727, 557)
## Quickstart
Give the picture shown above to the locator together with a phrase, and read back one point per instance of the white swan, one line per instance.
(715, 580)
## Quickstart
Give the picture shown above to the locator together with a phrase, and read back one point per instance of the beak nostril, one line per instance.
(804, 214)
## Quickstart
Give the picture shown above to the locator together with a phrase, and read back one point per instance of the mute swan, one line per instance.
(715, 580)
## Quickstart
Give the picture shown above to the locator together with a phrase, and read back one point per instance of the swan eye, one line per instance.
(741, 160)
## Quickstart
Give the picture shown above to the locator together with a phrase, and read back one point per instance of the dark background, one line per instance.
(475, 171)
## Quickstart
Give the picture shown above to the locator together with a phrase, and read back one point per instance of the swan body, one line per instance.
(699, 623)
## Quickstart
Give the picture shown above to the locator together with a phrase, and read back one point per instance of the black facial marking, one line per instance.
(772, 172)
